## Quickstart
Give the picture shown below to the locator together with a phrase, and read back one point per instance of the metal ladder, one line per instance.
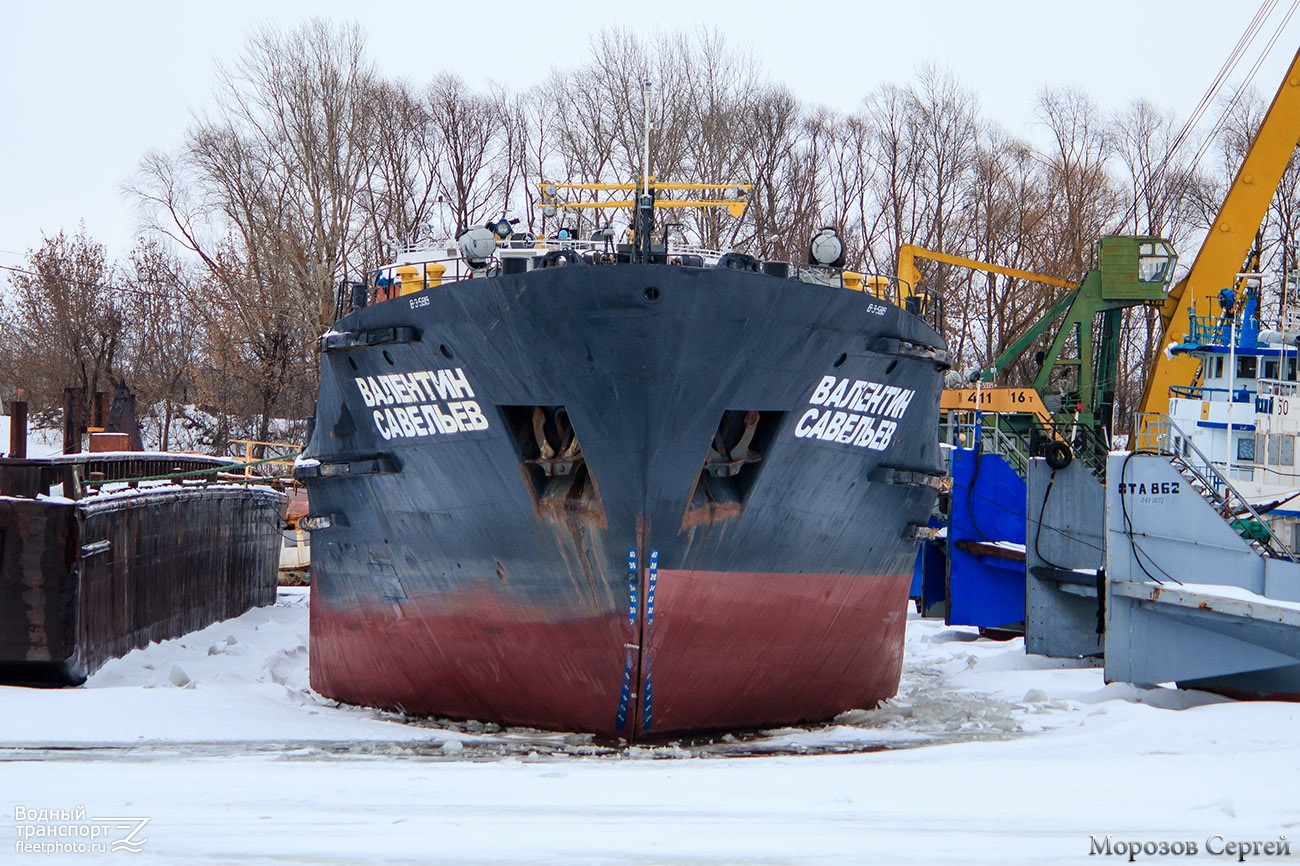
(1158, 434)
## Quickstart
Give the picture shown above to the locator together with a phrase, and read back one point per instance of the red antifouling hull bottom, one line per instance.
(738, 650)
(474, 656)
(715, 651)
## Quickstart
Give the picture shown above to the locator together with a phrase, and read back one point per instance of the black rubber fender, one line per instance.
(1058, 455)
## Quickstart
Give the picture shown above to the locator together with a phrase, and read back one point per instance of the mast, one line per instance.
(645, 209)
(645, 132)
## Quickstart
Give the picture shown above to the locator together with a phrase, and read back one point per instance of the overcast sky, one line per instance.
(89, 87)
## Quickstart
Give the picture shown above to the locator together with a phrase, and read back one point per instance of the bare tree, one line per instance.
(304, 100)
(313, 166)
(399, 199)
(64, 325)
(1157, 178)
(698, 96)
(712, 129)
(282, 164)
(846, 183)
(539, 152)
(512, 177)
(947, 131)
(1002, 217)
(923, 141)
(783, 199)
(1085, 198)
(258, 350)
(1161, 183)
(596, 115)
(922, 145)
(1275, 240)
(161, 348)
(467, 130)
(889, 116)
(266, 195)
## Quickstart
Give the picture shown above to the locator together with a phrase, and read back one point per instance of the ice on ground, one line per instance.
(986, 755)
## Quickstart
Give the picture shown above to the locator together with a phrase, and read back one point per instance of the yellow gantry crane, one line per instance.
(735, 203)
(1230, 238)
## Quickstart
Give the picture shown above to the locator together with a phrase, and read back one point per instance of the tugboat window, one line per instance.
(1246, 368)
(1281, 449)
(1270, 369)
(1246, 448)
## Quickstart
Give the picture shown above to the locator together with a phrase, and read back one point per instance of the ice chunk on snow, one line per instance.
(179, 678)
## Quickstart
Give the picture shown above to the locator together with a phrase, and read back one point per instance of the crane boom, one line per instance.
(1230, 237)
(1077, 371)
(910, 277)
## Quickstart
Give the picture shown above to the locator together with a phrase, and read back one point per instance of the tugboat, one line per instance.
(629, 488)
(1202, 581)
(1239, 414)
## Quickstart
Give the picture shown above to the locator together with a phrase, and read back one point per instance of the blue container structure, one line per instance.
(976, 575)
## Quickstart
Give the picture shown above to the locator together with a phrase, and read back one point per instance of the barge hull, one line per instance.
(85, 581)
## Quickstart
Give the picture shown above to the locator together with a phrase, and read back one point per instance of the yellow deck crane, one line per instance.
(1073, 393)
(990, 398)
(1229, 239)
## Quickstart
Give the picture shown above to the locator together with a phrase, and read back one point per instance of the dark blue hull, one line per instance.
(632, 499)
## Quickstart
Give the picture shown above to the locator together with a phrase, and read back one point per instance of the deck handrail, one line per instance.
(249, 460)
(1156, 433)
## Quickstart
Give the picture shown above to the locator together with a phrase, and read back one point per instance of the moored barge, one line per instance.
(93, 565)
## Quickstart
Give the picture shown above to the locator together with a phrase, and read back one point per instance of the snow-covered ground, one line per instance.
(40, 442)
(986, 756)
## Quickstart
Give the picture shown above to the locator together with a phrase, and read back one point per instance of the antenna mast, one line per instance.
(645, 217)
(645, 159)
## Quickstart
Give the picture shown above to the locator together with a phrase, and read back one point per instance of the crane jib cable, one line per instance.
(1230, 64)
